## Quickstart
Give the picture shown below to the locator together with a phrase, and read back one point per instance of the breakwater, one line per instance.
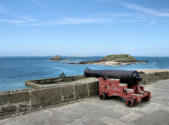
(58, 91)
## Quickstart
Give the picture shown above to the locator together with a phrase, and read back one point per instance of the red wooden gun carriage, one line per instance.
(124, 84)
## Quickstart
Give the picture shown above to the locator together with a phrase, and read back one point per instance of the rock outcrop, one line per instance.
(57, 57)
(121, 59)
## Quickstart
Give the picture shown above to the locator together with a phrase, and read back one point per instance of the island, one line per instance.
(57, 57)
(113, 60)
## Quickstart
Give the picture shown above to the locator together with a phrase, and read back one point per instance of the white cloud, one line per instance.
(153, 22)
(14, 17)
(36, 2)
(113, 14)
(109, 17)
(145, 10)
(139, 8)
(26, 18)
(69, 20)
(12, 21)
(141, 13)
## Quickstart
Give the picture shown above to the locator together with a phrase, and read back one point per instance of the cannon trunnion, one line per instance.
(110, 85)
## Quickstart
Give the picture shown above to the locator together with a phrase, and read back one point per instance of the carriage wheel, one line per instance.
(102, 96)
(130, 102)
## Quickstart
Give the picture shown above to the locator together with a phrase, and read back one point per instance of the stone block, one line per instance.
(3, 99)
(9, 108)
(144, 79)
(156, 75)
(150, 78)
(81, 91)
(163, 75)
(93, 88)
(45, 97)
(22, 107)
(14, 97)
(167, 75)
(67, 93)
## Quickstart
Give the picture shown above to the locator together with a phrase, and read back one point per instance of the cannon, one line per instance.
(128, 77)
(124, 84)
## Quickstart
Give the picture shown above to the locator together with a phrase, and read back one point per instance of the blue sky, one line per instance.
(84, 27)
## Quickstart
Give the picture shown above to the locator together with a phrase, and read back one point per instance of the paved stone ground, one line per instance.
(94, 111)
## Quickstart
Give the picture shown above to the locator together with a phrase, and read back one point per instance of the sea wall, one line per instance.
(47, 81)
(26, 100)
(150, 76)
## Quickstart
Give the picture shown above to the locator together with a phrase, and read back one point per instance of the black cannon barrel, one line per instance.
(129, 77)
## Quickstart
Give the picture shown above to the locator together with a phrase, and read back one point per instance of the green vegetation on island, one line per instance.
(119, 58)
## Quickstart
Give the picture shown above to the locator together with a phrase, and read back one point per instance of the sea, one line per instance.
(14, 71)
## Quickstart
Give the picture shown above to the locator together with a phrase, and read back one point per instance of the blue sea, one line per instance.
(15, 70)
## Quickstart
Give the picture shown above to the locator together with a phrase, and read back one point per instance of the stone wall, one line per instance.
(41, 82)
(55, 80)
(150, 76)
(24, 100)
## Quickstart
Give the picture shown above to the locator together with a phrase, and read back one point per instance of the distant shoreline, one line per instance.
(109, 63)
(113, 60)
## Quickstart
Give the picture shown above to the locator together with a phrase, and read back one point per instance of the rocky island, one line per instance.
(57, 57)
(113, 60)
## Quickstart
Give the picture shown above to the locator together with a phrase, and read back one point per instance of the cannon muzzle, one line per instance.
(129, 77)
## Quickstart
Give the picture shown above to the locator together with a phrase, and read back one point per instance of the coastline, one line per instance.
(114, 63)
(109, 63)
(113, 60)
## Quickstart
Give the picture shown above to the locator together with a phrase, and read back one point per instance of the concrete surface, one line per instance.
(93, 111)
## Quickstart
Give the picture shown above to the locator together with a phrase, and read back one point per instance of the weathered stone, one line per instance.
(20, 101)
(3, 99)
(67, 93)
(14, 97)
(43, 97)
(9, 108)
(144, 79)
(150, 77)
(93, 111)
(22, 107)
(156, 75)
(93, 88)
(163, 75)
(168, 75)
(81, 91)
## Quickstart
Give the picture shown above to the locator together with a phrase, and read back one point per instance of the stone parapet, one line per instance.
(75, 88)
(150, 76)
(23, 100)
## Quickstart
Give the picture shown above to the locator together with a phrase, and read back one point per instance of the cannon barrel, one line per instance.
(129, 77)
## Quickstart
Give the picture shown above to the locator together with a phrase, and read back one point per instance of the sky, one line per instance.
(84, 27)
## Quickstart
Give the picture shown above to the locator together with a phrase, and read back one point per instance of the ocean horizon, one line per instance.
(15, 70)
